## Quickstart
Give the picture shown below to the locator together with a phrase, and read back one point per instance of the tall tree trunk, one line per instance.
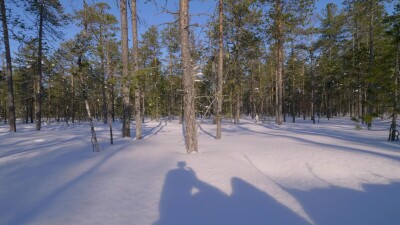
(95, 144)
(279, 62)
(38, 106)
(72, 110)
(170, 94)
(110, 95)
(188, 82)
(126, 131)
(312, 84)
(220, 70)
(237, 108)
(103, 77)
(369, 95)
(10, 89)
(392, 134)
(138, 120)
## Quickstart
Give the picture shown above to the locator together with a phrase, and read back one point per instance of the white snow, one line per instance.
(327, 173)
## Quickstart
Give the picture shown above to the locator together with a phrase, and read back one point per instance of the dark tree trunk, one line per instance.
(171, 95)
(188, 82)
(126, 131)
(369, 95)
(392, 133)
(110, 89)
(220, 71)
(38, 105)
(72, 110)
(10, 89)
(279, 62)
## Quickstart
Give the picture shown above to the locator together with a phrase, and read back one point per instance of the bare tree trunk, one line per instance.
(393, 126)
(138, 120)
(38, 106)
(143, 101)
(126, 131)
(110, 94)
(171, 97)
(10, 89)
(237, 110)
(94, 138)
(220, 70)
(279, 63)
(95, 144)
(312, 86)
(188, 82)
(104, 77)
(72, 110)
(369, 97)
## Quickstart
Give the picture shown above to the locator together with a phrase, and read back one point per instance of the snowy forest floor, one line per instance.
(323, 174)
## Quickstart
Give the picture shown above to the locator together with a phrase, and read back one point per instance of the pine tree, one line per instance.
(135, 57)
(10, 89)
(49, 16)
(220, 78)
(330, 59)
(393, 32)
(285, 16)
(188, 82)
(126, 132)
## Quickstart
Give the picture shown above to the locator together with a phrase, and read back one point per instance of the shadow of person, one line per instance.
(186, 200)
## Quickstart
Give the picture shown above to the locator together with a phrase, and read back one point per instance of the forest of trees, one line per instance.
(270, 59)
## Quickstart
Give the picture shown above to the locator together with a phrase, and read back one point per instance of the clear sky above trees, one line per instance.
(153, 13)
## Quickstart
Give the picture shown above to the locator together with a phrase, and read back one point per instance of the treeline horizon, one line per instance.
(270, 58)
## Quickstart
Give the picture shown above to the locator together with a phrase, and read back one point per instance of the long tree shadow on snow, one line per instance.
(187, 200)
(150, 131)
(375, 204)
(333, 146)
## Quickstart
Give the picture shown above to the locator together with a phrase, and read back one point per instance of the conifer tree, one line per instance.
(126, 131)
(188, 81)
(285, 15)
(10, 89)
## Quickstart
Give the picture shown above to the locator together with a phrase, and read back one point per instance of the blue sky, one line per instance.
(151, 13)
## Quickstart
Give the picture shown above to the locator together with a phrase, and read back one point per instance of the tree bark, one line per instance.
(392, 135)
(279, 62)
(10, 89)
(138, 121)
(95, 144)
(220, 71)
(188, 82)
(126, 131)
(312, 84)
(38, 94)
(171, 95)
(103, 77)
(110, 88)
(369, 96)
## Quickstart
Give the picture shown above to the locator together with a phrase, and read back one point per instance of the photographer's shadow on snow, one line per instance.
(187, 200)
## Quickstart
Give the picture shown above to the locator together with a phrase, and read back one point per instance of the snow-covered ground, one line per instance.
(327, 173)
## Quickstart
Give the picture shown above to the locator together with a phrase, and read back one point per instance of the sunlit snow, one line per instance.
(259, 173)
